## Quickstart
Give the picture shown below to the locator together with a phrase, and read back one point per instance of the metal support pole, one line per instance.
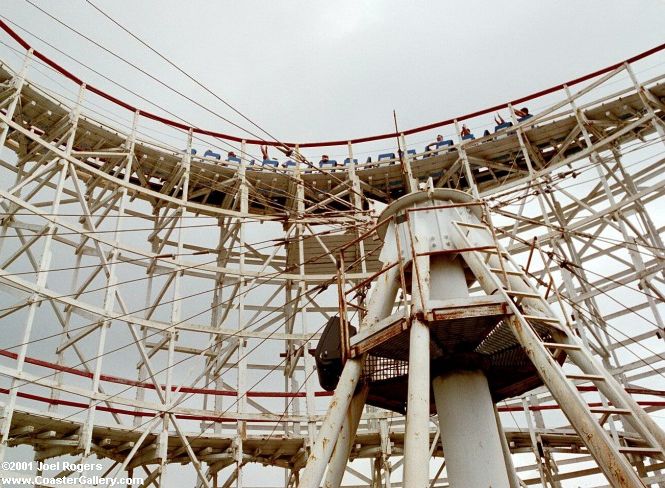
(332, 424)
(470, 434)
(416, 438)
(469, 431)
(347, 435)
(383, 299)
(507, 456)
(380, 305)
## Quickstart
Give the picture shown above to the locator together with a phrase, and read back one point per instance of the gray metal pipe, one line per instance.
(469, 431)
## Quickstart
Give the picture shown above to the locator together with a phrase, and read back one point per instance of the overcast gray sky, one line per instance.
(314, 70)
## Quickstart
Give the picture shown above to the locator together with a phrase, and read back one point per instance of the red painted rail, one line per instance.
(151, 386)
(149, 115)
(216, 418)
(250, 393)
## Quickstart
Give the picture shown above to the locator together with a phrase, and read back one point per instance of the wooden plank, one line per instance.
(610, 410)
(557, 345)
(647, 451)
(553, 320)
(582, 376)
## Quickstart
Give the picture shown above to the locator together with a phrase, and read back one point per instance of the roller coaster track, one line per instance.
(163, 305)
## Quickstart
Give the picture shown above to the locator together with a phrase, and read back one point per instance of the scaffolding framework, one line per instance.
(161, 307)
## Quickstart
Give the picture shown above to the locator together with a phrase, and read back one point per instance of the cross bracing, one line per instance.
(160, 307)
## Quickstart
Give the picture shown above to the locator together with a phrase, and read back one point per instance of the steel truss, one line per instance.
(161, 307)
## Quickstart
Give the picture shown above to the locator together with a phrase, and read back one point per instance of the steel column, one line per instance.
(469, 432)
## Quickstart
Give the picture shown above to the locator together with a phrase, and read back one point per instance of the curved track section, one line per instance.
(159, 308)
